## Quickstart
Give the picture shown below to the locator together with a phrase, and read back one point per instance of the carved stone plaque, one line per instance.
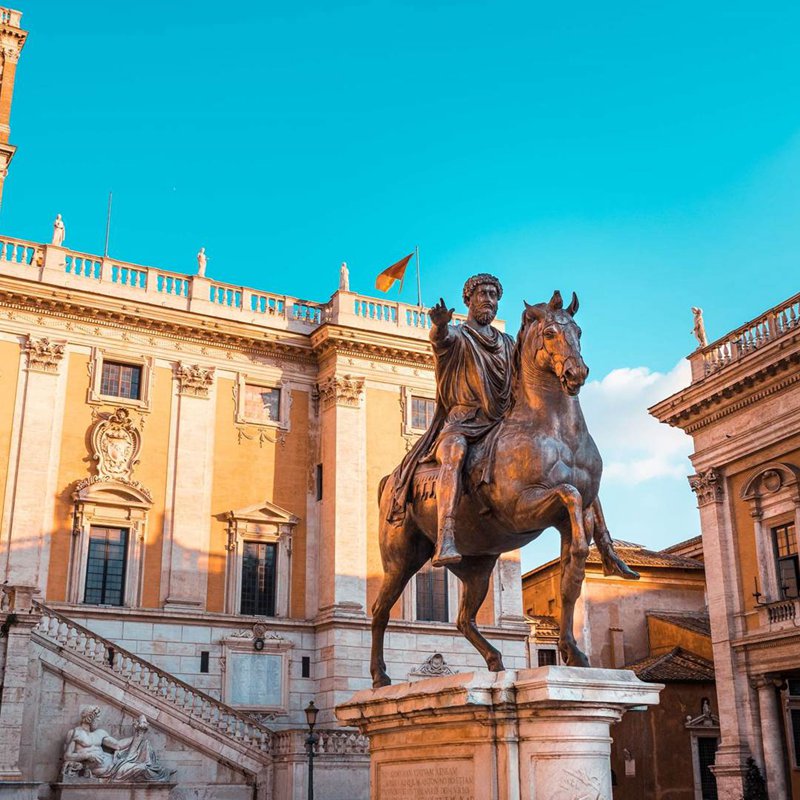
(453, 779)
(256, 680)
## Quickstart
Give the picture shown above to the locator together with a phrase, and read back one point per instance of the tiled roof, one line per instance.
(696, 621)
(695, 541)
(676, 665)
(635, 555)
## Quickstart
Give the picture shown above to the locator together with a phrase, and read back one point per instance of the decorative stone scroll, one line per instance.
(432, 666)
(194, 380)
(115, 443)
(344, 390)
(707, 486)
(44, 355)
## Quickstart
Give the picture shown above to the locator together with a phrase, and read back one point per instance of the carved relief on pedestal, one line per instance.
(194, 380)
(341, 390)
(433, 666)
(707, 486)
(44, 355)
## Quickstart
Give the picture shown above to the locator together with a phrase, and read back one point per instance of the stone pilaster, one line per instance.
(35, 452)
(343, 546)
(19, 618)
(724, 600)
(190, 519)
(771, 725)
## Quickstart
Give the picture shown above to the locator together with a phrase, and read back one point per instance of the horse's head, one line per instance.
(550, 337)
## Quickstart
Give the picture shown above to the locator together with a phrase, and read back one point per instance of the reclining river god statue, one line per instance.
(507, 455)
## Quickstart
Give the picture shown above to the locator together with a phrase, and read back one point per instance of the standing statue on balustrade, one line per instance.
(507, 456)
(59, 231)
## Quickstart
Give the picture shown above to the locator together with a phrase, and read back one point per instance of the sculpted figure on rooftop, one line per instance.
(507, 455)
(59, 231)
(699, 328)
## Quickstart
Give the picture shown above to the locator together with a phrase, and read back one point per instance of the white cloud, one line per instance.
(635, 446)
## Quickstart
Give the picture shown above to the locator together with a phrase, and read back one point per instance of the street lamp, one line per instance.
(311, 718)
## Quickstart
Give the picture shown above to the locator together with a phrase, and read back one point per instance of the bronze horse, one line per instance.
(545, 472)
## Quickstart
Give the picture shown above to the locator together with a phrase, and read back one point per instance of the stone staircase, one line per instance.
(122, 676)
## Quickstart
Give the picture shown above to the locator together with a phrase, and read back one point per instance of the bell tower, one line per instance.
(12, 38)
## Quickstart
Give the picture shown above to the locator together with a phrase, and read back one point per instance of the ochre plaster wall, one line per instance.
(246, 472)
(75, 464)
(10, 354)
(665, 635)
(385, 449)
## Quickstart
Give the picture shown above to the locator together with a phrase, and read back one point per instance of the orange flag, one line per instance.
(396, 272)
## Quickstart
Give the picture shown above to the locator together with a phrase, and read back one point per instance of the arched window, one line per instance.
(773, 494)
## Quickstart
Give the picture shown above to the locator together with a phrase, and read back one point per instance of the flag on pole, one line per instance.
(396, 272)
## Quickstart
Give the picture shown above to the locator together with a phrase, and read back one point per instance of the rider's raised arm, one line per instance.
(440, 315)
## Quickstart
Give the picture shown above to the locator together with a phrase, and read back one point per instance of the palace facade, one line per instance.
(189, 475)
(742, 410)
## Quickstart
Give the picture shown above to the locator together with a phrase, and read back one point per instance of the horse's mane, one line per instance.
(516, 356)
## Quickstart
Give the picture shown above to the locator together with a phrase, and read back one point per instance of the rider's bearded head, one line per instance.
(483, 308)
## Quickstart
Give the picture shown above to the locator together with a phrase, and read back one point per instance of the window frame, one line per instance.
(243, 380)
(408, 395)
(431, 570)
(99, 357)
(108, 505)
(124, 577)
(264, 523)
(774, 530)
(272, 600)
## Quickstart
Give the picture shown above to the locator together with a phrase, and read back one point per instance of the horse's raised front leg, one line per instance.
(538, 501)
(474, 573)
(612, 563)
(404, 552)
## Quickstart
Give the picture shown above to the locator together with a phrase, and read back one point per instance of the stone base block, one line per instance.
(539, 734)
(111, 791)
(19, 790)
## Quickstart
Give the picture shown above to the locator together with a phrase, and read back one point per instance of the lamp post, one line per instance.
(311, 718)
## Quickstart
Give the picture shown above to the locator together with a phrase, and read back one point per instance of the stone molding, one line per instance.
(344, 390)
(708, 487)
(44, 354)
(194, 380)
(115, 442)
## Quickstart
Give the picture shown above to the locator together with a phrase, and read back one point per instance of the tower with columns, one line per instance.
(12, 40)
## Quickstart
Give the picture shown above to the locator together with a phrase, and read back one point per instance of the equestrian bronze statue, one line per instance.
(507, 455)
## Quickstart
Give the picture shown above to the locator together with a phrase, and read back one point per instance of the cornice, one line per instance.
(177, 325)
(764, 373)
(329, 339)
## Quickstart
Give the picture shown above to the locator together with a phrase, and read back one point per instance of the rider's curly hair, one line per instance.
(478, 280)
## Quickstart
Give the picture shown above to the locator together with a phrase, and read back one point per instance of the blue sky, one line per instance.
(643, 155)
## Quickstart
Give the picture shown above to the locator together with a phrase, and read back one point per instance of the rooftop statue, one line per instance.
(699, 328)
(507, 455)
(202, 260)
(344, 278)
(92, 754)
(59, 231)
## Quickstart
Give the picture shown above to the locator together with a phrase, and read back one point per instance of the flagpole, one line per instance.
(419, 286)
(108, 226)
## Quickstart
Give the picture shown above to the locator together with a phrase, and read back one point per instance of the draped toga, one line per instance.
(473, 393)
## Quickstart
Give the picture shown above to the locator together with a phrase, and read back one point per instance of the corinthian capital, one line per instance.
(707, 486)
(44, 355)
(194, 380)
(341, 390)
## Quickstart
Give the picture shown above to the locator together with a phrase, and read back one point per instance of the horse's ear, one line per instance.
(556, 303)
(532, 313)
(572, 308)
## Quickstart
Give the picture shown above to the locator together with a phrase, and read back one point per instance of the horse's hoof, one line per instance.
(495, 663)
(382, 680)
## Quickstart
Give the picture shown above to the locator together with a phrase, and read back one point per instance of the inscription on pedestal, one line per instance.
(432, 780)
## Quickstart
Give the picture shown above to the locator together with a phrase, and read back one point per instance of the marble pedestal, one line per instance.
(111, 791)
(538, 734)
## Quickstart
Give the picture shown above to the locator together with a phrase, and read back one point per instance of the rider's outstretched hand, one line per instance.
(440, 314)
